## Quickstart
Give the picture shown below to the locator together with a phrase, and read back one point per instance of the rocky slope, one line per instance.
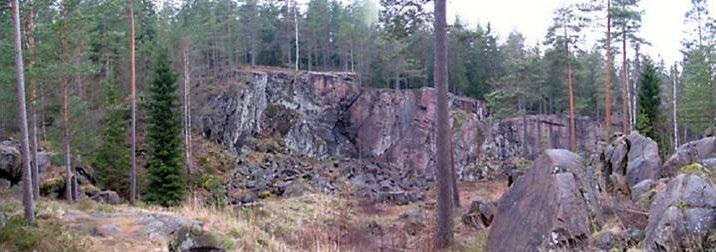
(329, 115)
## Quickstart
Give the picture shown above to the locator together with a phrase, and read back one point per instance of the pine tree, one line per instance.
(112, 158)
(649, 101)
(564, 33)
(167, 177)
(626, 19)
(444, 232)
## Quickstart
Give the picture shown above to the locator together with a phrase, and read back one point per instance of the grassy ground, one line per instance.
(314, 222)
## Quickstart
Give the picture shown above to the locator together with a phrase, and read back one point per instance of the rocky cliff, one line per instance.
(329, 115)
(324, 115)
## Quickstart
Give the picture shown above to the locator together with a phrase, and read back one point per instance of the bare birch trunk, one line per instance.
(187, 111)
(625, 83)
(674, 109)
(295, 22)
(27, 202)
(33, 104)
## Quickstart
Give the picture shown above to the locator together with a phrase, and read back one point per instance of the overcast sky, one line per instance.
(662, 25)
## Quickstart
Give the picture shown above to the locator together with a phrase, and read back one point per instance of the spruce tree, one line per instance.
(112, 158)
(166, 174)
(649, 101)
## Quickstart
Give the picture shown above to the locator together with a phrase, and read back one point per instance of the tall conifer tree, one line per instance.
(167, 177)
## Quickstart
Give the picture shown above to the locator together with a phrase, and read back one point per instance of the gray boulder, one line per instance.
(682, 215)
(634, 156)
(107, 197)
(194, 239)
(480, 214)
(700, 151)
(550, 207)
(10, 162)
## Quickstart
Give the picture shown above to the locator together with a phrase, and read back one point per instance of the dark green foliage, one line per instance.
(166, 173)
(649, 101)
(111, 160)
(698, 106)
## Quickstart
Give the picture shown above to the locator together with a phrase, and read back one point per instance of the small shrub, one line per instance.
(18, 235)
(10, 206)
(52, 185)
(215, 186)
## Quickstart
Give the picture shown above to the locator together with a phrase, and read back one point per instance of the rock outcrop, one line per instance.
(634, 157)
(683, 215)
(10, 162)
(322, 115)
(701, 151)
(550, 207)
(329, 115)
(195, 239)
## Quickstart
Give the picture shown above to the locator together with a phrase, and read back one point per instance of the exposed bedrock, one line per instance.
(329, 115)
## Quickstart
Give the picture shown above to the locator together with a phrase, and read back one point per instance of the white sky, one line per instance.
(662, 23)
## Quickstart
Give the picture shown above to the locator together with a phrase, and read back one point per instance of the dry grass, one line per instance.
(313, 222)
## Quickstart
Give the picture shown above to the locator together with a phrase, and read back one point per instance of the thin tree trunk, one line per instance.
(33, 103)
(66, 137)
(187, 111)
(625, 83)
(133, 101)
(65, 86)
(352, 62)
(572, 130)
(455, 188)
(295, 22)
(633, 92)
(608, 83)
(28, 203)
(252, 23)
(570, 87)
(444, 234)
(675, 108)
(523, 109)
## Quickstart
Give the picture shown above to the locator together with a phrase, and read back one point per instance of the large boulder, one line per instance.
(700, 151)
(10, 161)
(683, 215)
(634, 156)
(550, 207)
